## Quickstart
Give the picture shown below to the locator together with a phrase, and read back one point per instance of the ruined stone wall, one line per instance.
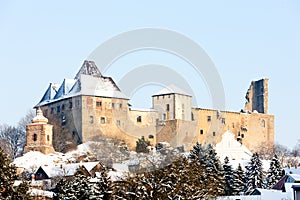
(253, 129)
(257, 96)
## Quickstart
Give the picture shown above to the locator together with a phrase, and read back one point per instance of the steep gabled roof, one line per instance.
(50, 92)
(88, 68)
(171, 89)
(88, 81)
(66, 169)
(64, 88)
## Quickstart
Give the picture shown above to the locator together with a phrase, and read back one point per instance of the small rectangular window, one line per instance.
(208, 118)
(168, 107)
(58, 109)
(98, 104)
(120, 106)
(201, 132)
(139, 119)
(112, 105)
(70, 104)
(91, 119)
(52, 110)
(102, 120)
(214, 133)
(223, 120)
(118, 122)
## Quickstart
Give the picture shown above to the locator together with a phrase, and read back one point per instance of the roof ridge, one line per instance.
(88, 68)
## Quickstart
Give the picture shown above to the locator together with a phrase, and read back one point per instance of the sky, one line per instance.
(43, 42)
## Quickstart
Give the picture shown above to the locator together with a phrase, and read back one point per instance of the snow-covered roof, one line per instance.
(50, 92)
(289, 187)
(293, 178)
(143, 109)
(67, 169)
(171, 89)
(231, 148)
(40, 193)
(272, 194)
(292, 170)
(88, 81)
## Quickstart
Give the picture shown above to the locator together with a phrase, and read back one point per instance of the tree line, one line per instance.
(200, 175)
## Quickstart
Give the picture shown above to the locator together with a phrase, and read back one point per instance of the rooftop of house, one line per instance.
(88, 81)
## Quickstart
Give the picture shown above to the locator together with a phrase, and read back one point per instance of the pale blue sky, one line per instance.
(46, 42)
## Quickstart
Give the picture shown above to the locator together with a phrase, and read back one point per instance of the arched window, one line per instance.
(35, 137)
(150, 136)
(263, 123)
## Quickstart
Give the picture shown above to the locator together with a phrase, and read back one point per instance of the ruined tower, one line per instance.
(257, 96)
(39, 134)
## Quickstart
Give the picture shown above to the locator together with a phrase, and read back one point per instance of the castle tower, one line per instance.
(172, 103)
(39, 134)
(257, 96)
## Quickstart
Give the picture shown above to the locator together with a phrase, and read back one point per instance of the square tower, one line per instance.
(39, 134)
(172, 103)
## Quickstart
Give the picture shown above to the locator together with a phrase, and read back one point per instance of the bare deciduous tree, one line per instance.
(12, 138)
(282, 152)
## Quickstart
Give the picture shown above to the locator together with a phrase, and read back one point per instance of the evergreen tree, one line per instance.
(102, 189)
(228, 177)
(198, 152)
(7, 178)
(78, 188)
(254, 173)
(238, 181)
(214, 175)
(274, 172)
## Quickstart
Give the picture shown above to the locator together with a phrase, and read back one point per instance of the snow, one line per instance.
(231, 148)
(274, 194)
(171, 89)
(43, 193)
(64, 88)
(33, 159)
(292, 170)
(143, 109)
(88, 81)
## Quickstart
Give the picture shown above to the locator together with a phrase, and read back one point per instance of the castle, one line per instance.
(91, 106)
